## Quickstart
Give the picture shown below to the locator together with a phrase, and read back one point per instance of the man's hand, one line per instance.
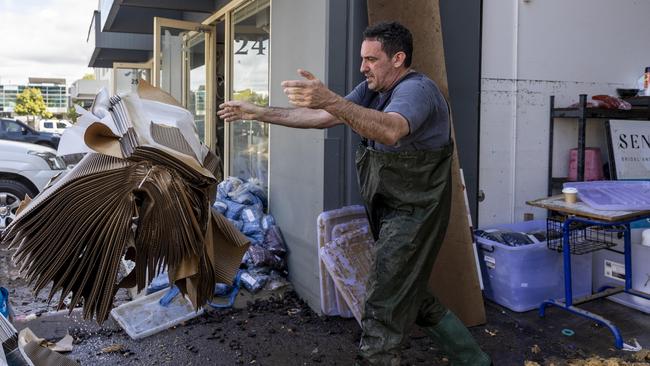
(236, 110)
(309, 93)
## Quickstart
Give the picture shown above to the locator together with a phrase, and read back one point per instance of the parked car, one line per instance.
(25, 169)
(53, 125)
(11, 129)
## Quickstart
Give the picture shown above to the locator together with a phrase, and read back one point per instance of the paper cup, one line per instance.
(570, 195)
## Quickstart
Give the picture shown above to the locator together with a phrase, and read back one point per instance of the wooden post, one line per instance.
(454, 279)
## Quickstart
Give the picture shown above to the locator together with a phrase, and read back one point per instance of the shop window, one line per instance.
(127, 75)
(249, 140)
(182, 63)
(195, 94)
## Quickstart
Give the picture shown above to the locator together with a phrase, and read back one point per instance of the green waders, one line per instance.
(408, 199)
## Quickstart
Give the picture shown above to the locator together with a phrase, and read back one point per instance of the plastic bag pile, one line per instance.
(245, 204)
(144, 191)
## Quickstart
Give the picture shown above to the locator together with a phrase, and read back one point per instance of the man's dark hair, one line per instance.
(394, 37)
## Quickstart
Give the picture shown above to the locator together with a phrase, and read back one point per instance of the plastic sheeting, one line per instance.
(348, 259)
(614, 195)
(332, 302)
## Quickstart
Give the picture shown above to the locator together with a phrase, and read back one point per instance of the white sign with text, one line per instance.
(630, 148)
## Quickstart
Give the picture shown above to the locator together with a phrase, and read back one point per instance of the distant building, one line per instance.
(82, 92)
(54, 93)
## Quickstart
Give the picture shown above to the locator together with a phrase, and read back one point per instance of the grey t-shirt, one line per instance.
(418, 99)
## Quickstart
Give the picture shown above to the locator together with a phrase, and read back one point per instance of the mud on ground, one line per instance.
(283, 330)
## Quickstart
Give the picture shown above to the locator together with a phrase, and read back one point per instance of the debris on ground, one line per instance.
(65, 344)
(632, 348)
(113, 348)
(643, 355)
(492, 333)
(535, 349)
(600, 361)
(38, 351)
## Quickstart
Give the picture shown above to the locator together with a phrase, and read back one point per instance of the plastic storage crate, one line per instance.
(609, 271)
(521, 278)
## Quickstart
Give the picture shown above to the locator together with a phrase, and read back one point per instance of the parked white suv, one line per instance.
(25, 169)
(53, 125)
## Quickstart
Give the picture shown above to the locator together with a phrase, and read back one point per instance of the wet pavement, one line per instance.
(280, 329)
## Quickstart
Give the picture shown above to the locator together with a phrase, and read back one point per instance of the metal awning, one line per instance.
(119, 47)
(136, 16)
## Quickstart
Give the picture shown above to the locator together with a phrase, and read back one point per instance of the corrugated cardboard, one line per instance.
(454, 278)
(146, 194)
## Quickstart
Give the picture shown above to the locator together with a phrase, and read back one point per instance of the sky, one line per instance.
(45, 38)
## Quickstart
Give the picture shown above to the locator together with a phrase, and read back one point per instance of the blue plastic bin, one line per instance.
(520, 278)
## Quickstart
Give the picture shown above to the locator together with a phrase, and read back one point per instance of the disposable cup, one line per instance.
(570, 195)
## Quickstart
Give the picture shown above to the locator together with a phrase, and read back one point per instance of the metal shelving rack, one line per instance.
(639, 111)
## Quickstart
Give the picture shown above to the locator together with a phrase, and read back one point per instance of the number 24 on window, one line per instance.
(256, 45)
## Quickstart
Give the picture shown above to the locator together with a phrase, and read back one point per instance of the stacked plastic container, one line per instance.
(522, 277)
(609, 269)
(593, 164)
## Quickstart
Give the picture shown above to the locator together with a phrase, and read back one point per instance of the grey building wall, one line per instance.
(313, 170)
(347, 20)
(296, 169)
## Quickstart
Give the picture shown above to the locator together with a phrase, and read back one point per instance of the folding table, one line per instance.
(580, 216)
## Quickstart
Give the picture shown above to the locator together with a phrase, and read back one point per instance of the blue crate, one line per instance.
(520, 278)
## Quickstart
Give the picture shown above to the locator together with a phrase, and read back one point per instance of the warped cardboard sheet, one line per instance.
(145, 193)
(454, 279)
(38, 351)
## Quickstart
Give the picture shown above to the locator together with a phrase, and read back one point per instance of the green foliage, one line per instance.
(71, 114)
(30, 103)
(89, 77)
(251, 96)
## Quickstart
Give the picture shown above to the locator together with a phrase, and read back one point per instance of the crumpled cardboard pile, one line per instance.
(144, 191)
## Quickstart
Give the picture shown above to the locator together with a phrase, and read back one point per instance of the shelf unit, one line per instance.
(640, 111)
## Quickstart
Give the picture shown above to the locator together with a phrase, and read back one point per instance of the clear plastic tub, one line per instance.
(145, 316)
(332, 302)
(522, 277)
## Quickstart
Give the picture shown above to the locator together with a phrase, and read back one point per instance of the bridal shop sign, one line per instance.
(629, 149)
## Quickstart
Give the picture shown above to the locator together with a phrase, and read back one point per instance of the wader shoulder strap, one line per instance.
(369, 99)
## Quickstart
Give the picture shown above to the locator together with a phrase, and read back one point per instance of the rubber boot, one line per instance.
(457, 342)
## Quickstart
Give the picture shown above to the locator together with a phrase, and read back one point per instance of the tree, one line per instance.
(251, 96)
(88, 77)
(30, 103)
(72, 114)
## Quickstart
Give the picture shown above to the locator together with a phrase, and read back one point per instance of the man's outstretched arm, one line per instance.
(290, 117)
(385, 128)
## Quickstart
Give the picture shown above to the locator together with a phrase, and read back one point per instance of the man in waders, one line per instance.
(404, 167)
